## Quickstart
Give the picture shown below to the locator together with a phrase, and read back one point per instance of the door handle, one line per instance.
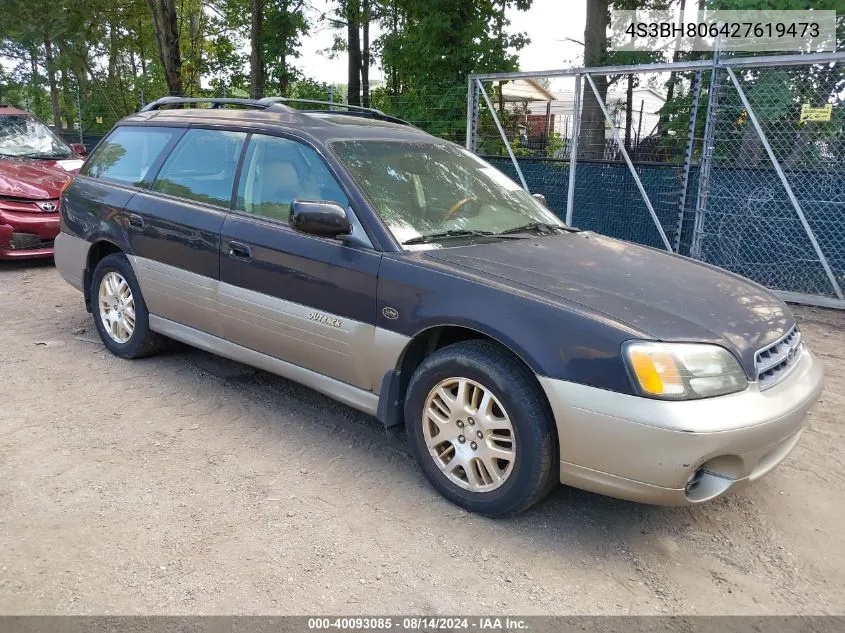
(240, 251)
(135, 220)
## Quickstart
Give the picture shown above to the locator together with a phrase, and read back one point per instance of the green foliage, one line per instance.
(104, 53)
(310, 89)
(554, 145)
(430, 46)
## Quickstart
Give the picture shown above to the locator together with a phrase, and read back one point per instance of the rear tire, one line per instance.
(481, 429)
(120, 314)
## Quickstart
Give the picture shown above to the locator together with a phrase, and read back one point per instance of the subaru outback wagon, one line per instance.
(404, 276)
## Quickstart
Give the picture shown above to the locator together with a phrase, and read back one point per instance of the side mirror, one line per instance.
(539, 197)
(319, 217)
(79, 149)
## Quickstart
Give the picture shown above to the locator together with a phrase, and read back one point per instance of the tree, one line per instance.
(429, 47)
(353, 35)
(354, 16)
(592, 137)
(167, 41)
(275, 28)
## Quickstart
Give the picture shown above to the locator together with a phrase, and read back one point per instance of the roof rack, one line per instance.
(258, 104)
(275, 104)
(354, 110)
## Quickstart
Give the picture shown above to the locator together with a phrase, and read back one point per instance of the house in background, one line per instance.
(548, 111)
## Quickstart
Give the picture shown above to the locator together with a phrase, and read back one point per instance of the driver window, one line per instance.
(277, 171)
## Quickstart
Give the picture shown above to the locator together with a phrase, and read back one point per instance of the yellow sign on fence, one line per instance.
(816, 114)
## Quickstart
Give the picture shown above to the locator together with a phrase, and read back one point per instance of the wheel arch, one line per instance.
(421, 345)
(98, 251)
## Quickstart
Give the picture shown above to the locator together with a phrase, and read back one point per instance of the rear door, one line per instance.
(307, 300)
(121, 166)
(175, 227)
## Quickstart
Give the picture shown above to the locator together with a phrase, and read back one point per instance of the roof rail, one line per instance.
(259, 104)
(351, 109)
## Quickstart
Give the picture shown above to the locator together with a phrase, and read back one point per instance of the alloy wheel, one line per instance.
(469, 434)
(117, 307)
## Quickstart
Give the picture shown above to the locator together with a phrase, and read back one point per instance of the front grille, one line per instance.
(773, 363)
(28, 205)
(23, 241)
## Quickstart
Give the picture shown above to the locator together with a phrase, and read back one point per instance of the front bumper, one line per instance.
(27, 235)
(678, 453)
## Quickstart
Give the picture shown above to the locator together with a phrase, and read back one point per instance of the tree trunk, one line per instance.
(365, 54)
(256, 64)
(629, 110)
(113, 52)
(353, 20)
(195, 26)
(670, 84)
(142, 54)
(284, 80)
(54, 88)
(35, 80)
(133, 65)
(167, 41)
(592, 139)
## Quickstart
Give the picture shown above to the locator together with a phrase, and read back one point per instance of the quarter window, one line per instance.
(202, 166)
(128, 153)
(277, 171)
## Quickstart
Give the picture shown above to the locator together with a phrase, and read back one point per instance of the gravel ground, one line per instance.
(187, 484)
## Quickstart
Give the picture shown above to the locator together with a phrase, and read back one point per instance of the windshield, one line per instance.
(27, 137)
(429, 188)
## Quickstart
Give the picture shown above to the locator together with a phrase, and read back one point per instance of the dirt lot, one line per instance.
(189, 484)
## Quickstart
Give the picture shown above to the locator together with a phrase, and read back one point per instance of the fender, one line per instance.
(554, 338)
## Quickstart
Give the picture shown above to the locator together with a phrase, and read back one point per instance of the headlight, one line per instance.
(683, 371)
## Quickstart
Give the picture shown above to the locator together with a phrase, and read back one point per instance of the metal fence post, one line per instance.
(786, 185)
(627, 158)
(79, 113)
(693, 119)
(573, 150)
(707, 149)
(502, 133)
(472, 113)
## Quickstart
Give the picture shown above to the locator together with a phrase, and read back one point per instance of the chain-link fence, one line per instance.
(775, 204)
(738, 162)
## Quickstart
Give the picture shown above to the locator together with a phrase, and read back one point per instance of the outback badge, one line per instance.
(325, 319)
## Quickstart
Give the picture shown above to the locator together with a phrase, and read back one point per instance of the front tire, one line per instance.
(120, 314)
(481, 429)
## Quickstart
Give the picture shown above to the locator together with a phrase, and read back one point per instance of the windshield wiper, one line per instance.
(439, 235)
(542, 227)
(37, 156)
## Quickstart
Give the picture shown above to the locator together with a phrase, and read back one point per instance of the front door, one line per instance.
(308, 300)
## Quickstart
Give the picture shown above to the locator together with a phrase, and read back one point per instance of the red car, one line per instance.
(35, 165)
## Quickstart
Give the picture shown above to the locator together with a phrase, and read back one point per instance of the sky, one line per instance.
(547, 23)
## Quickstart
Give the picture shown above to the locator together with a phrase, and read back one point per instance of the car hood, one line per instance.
(666, 297)
(36, 179)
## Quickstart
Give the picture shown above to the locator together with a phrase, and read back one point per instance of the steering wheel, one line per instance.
(455, 208)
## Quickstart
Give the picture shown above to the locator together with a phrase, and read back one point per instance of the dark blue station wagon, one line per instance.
(404, 276)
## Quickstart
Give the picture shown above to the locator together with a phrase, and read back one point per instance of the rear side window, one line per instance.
(202, 166)
(128, 153)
